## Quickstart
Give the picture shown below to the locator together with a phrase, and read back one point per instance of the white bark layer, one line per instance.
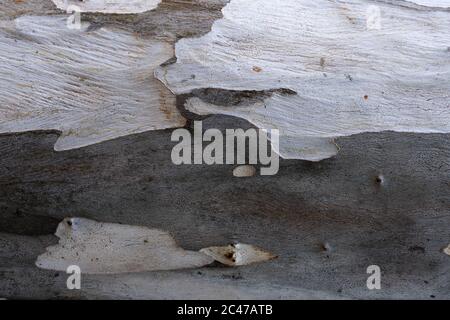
(105, 6)
(244, 171)
(107, 248)
(110, 248)
(447, 250)
(432, 3)
(91, 85)
(238, 254)
(355, 68)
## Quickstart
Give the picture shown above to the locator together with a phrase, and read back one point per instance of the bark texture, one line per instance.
(382, 200)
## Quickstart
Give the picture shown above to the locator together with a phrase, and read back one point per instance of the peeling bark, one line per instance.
(349, 78)
(447, 250)
(107, 248)
(105, 6)
(384, 199)
(90, 85)
(299, 215)
(238, 254)
(11, 9)
(432, 3)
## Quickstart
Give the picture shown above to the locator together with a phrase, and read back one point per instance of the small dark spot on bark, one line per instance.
(233, 276)
(326, 246)
(169, 62)
(416, 249)
(322, 62)
(379, 179)
(229, 255)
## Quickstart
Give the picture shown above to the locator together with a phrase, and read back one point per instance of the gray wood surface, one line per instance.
(383, 200)
(326, 221)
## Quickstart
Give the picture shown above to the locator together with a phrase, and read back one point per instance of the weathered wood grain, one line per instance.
(110, 248)
(326, 222)
(104, 6)
(90, 85)
(344, 75)
(384, 200)
(94, 83)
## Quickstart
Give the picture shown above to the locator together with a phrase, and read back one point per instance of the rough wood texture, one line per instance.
(111, 248)
(433, 3)
(105, 6)
(90, 85)
(327, 222)
(95, 83)
(384, 200)
(344, 75)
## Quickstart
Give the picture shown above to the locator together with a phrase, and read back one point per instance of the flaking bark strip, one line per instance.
(91, 85)
(353, 64)
(238, 254)
(109, 248)
(105, 6)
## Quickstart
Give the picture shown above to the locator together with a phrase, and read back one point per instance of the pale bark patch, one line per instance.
(447, 250)
(238, 254)
(92, 85)
(432, 3)
(348, 78)
(110, 248)
(107, 248)
(105, 6)
(244, 171)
